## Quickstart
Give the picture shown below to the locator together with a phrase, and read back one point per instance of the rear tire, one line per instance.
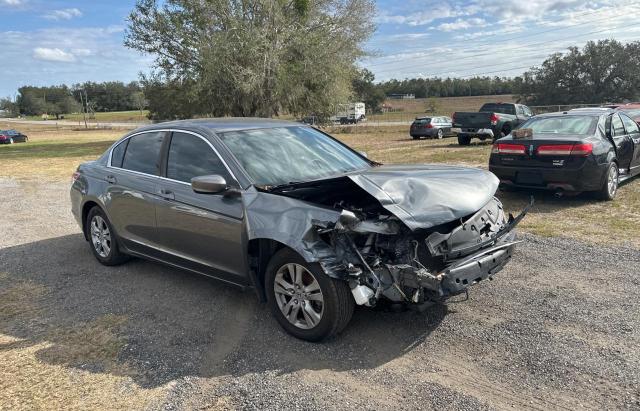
(440, 134)
(103, 240)
(464, 140)
(610, 185)
(311, 290)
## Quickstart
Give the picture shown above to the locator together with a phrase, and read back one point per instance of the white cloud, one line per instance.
(86, 54)
(461, 24)
(63, 14)
(12, 3)
(53, 54)
(425, 16)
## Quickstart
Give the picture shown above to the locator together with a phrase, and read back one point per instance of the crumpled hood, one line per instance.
(424, 196)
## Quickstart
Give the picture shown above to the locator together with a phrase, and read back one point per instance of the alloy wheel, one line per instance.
(298, 296)
(100, 236)
(440, 134)
(612, 180)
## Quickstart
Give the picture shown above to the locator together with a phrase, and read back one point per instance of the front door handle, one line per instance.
(167, 194)
(111, 179)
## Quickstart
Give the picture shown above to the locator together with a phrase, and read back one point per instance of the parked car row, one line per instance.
(584, 149)
(12, 136)
(315, 227)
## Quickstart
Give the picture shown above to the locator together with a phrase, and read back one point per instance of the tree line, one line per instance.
(63, 99)
(449, 87)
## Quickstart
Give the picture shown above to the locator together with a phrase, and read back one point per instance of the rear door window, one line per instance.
(190, 156)
(143, 153)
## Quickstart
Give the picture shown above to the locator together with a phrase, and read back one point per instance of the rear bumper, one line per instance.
(589, 177)
(429, 132)
(478, 132)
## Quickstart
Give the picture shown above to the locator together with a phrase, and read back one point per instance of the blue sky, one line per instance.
(45, 42)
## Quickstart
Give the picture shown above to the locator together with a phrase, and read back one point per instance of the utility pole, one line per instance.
(84, 112)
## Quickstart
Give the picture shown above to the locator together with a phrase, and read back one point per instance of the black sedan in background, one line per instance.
(12, 136)
(578, 150)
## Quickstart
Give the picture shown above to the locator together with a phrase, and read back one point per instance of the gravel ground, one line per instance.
(559, 328)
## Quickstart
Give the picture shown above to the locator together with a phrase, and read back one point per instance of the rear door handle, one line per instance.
(168, 194)
(111, 179)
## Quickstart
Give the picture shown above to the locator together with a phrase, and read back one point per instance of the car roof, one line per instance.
(591, 112)
(224, 124)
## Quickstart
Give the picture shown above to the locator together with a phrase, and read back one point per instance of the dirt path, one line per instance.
(558, 329)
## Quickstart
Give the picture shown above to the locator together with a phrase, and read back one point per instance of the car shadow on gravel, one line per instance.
(157, 324)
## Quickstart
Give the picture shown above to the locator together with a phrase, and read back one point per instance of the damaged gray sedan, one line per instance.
(311, 225)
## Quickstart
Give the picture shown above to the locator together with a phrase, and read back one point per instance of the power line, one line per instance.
(514, 48)
(522, 36)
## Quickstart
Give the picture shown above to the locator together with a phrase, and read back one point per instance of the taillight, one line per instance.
(565, 150)
(582, 150)
(453, 118)
(502, 148)
(428, 125)
(494, 119)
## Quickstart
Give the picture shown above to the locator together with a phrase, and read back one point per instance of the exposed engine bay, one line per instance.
(382, 257)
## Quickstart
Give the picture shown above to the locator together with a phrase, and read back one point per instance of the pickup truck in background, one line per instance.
(494, 120)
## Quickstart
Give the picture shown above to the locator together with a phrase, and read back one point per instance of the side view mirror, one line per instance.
(212, 184)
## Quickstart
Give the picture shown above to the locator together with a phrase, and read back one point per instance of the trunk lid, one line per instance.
(531, 158)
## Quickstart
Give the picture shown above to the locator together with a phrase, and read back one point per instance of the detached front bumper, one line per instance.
(485, 261)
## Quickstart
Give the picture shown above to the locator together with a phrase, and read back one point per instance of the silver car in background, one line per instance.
(431, 127)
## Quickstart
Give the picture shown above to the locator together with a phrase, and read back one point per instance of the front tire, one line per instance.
(306, 302)
(610, 185)
(102, 239)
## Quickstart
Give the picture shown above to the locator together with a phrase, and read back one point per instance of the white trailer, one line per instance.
(350, 113)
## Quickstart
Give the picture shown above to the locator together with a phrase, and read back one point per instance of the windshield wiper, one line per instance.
(290, 185)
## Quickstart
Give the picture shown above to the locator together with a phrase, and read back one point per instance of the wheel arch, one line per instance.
(259, 253)
(86, 207)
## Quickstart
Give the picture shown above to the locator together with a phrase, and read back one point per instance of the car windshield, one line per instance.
(275, 156)
(562, 125)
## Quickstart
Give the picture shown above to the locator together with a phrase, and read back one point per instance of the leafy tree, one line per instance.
(46, 100)
(364, 90)
(10, 107)
(252, 58)
(603, 71)
(139, 101)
